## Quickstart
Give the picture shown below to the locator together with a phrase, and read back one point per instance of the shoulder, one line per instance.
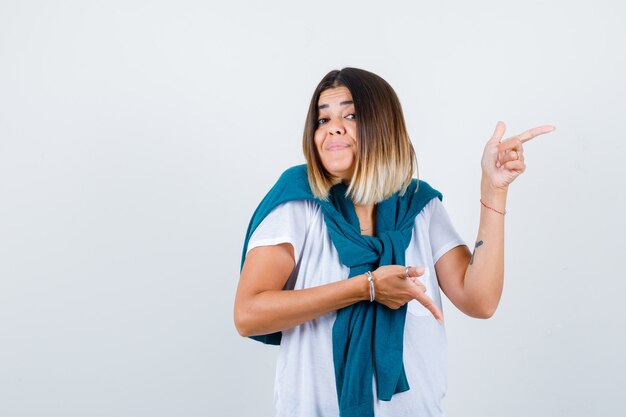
(288, 222)
(432, 198)
(424, 190)
(293, 184)
(295, 172)
(295, 177)
(302, 210)
(416, 197)
(429, 210)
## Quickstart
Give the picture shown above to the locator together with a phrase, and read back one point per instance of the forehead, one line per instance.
(333, 96)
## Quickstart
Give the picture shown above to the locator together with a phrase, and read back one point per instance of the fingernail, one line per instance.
(497, 164)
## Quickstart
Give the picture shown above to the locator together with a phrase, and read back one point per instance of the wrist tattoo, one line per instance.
(480, 242)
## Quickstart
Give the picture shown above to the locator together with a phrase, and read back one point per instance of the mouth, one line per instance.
(337, 146)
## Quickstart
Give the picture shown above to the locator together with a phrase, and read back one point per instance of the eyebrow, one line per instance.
(343, 103)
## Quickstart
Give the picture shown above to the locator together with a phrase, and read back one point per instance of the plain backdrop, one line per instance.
(137, 137)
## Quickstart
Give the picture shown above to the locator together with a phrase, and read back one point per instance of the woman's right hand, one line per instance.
(394, 289)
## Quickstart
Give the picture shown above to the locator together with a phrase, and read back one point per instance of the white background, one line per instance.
(136, 139)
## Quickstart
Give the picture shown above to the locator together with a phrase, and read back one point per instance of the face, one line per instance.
(336, 133)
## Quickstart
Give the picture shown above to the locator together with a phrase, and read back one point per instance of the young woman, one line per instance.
(345, 256)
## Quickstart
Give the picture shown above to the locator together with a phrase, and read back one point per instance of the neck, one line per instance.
(367, 218)
(364, 210)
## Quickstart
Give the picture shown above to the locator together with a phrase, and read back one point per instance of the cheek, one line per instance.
(352, 131)
(318, 138)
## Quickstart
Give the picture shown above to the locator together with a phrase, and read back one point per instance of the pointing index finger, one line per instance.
(534, 132)
(515, 141)
(430, 305)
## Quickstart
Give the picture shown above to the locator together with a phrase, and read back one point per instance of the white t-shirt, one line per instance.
(305, 376)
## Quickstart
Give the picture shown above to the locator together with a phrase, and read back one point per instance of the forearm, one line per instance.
(275, 310)
(502, 162)
(484, 277)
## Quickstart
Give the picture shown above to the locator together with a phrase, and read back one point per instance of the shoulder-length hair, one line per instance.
(385, 159)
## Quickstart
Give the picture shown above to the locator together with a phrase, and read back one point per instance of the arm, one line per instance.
(262, 306)
(474, 282)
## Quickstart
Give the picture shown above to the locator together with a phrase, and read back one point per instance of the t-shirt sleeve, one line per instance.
(442, 234)
(287, 223)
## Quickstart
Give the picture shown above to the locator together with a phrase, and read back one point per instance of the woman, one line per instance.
(373, 344)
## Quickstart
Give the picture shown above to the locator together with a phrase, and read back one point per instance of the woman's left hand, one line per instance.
(503, 161)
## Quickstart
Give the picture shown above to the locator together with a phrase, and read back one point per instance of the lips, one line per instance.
(337, 146)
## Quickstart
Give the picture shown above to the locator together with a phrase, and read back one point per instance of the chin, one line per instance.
(344, 174)
(340, 167)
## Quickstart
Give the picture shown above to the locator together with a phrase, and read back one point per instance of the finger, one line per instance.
(525, 137)
(515, 166)
(418, 284)
(415, 271)
(512, 155)
(498, 133)
(533, 133)
(509, 144)
(430, 305)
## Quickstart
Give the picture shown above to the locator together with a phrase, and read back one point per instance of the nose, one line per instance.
(336, 127)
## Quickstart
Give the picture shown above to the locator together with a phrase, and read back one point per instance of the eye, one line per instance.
(351, 116)
(321, 120)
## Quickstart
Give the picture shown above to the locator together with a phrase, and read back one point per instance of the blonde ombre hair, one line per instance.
(385, 159)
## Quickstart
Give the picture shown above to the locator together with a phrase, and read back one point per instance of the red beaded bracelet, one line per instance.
(491, 208)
